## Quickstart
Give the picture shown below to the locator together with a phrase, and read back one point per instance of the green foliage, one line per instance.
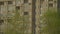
(53, 22)
(17, 24)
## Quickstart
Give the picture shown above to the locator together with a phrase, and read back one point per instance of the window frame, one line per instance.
(50, 0)
(50, 4)
(25, 1)
(10, 2)
(17, 7)
(26, 13)
(1, 22)
(2, 3)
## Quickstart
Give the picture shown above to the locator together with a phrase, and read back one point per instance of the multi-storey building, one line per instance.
(29, 10)
(8, 8)
(41, 7)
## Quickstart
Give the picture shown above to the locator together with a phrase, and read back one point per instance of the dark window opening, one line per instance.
(8, 11)
(25, 1)
(29, 3)
(50, 0)
(1, 3)
(1, 21)
(25, 13)
(9, 20)
(54, 1)
(17, 7)
(41, 0)
(51, 5)
(10, 2)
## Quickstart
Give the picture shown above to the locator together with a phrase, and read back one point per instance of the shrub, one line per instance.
(53, 22)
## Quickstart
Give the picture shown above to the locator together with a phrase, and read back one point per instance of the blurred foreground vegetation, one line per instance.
(17, 24)
(53, 22)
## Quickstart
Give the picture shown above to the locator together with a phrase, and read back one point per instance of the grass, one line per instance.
(53, 22)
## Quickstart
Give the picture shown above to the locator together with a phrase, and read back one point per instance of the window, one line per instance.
(54, 1)
(1, 3)
(25, 13)
(10, 2)
(9, 20)
(17, 7)
(29, 3)
(41, 0)
(50, 0)
(25, 1)
(8, 11)
(50, 4)
(1, 21)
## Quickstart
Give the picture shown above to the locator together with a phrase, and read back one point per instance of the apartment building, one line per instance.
(8, 9)
(41, 7)
(30, 11)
